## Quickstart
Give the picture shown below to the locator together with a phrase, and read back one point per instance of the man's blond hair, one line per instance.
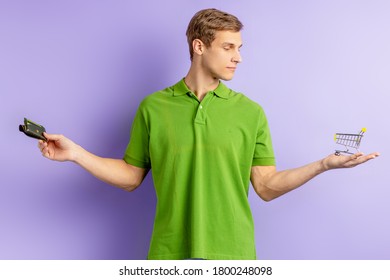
(205, 23)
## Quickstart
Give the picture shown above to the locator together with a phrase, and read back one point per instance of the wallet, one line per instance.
(33, 130)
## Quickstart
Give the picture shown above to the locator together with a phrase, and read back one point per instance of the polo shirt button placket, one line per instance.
(200, 117)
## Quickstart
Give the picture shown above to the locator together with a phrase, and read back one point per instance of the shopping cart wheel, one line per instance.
(337, 153)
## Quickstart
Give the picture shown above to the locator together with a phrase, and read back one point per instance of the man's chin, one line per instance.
(227, 78)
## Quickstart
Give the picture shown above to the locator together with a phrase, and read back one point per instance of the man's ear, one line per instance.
(198, 46)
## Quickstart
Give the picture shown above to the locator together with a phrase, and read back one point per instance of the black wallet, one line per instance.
(33, 130)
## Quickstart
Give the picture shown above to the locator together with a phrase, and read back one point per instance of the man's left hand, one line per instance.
(339, 161)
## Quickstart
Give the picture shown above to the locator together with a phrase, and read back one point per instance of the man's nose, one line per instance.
(237, 57)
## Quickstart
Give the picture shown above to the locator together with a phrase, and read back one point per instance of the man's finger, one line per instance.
(364, 158)
(356, 156)
(52, 137)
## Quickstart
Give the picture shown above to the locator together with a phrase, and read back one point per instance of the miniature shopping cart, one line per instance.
(348, 140)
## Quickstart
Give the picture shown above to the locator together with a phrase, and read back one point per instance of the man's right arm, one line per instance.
(115, 172)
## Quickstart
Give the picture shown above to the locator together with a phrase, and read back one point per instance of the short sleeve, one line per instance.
(264, 153)
(137, 151)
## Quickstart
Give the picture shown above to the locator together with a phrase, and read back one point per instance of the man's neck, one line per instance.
(199, 83)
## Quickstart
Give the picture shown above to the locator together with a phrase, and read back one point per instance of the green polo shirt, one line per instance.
(200, 154)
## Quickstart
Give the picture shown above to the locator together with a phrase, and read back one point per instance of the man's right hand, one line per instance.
(57, 147)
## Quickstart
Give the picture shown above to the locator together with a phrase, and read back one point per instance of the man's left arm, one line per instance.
(270, 183)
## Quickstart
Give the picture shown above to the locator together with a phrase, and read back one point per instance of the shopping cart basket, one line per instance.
(348, 140)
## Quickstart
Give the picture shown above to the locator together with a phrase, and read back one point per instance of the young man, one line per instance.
(203, 143)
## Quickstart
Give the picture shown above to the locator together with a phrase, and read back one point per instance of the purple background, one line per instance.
(82, 67)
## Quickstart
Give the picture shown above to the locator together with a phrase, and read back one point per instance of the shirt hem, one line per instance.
(205, 256)
(135, 162)
(263, 161)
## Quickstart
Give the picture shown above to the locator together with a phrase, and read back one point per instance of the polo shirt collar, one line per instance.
(221, 91)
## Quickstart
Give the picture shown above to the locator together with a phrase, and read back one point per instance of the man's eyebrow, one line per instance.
(225, 44)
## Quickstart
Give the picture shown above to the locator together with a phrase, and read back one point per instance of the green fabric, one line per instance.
(200, 154)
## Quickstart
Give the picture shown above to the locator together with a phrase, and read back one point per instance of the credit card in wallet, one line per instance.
(33, 129)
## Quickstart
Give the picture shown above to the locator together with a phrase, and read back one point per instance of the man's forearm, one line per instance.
(115, 172)
(276, 183)
(288, 180)
(270, 183)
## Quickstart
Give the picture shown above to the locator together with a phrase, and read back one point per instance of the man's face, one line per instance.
(222, 57)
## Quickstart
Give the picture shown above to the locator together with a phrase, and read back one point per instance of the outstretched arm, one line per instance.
(115, 172)
(269, 183)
